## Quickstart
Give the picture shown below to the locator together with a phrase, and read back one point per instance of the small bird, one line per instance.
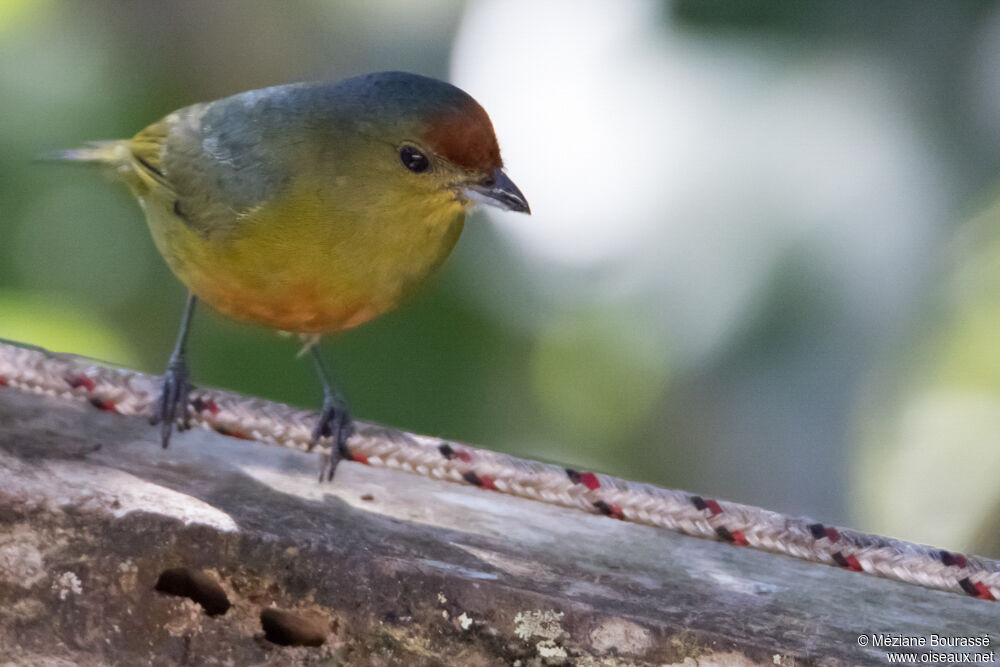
(309, 208)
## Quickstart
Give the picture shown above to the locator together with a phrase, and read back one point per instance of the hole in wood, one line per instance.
(197, 586)
(286, 628)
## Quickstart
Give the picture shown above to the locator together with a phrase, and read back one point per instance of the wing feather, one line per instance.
(215, 179)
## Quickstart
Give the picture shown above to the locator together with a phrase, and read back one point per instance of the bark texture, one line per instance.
(220, 551)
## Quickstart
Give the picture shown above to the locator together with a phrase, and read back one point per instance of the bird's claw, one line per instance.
(334, 422)
(173, 406)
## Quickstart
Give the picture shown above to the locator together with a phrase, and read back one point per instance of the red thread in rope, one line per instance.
(819, 531)
(232, 433)
(484, 482)
(450, 453)
(735, 537)
(949, 558)
(200, 405)
(983, 591)
(849, 562)
(103, 405)
(610, 509)
(976, 589)
(588, 479)
(81, 381)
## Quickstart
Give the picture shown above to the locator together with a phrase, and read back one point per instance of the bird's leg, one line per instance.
(173, 401)
(334, 421)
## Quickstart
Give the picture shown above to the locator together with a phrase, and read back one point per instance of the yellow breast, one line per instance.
(304, 265)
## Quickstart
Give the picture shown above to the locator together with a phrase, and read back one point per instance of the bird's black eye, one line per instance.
(414, 160)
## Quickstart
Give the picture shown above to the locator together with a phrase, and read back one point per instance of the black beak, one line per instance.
(498, 190)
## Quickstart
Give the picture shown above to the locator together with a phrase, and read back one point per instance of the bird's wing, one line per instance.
(212, 180)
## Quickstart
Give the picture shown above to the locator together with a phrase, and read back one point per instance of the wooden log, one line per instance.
(258, 563)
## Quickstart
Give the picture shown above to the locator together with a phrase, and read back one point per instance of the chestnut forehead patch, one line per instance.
(464, 135)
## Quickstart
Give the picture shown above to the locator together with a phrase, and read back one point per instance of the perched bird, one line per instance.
(310, 207)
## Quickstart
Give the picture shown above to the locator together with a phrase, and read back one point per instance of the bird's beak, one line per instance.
(498, 190)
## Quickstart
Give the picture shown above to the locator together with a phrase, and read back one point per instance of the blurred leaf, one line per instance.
(597, 374)
(14, 13)
(51, 321)
(930, 447)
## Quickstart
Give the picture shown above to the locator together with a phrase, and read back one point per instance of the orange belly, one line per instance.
(300, 308)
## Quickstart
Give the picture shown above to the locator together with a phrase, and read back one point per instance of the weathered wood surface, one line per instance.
(398, 569)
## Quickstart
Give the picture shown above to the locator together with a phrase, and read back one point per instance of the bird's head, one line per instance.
(441, 140)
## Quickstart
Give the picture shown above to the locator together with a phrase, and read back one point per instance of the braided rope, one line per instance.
(130, 393)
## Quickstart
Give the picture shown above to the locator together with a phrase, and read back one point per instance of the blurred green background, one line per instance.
(763, 262)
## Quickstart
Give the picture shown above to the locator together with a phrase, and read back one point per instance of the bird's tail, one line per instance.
(113, 153)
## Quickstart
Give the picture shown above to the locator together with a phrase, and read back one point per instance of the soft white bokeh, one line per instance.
(676, 168)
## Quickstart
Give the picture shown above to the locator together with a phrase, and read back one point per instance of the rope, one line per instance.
(130, 393)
